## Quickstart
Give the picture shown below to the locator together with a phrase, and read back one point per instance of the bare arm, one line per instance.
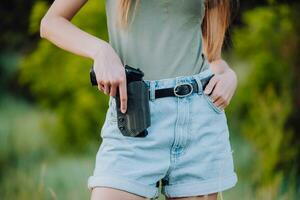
(57, 28)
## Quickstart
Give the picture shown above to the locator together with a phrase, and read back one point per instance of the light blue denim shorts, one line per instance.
(187, 149)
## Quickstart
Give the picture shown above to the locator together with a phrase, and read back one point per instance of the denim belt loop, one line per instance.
(152, 85)
(198, 80)
(179, 81)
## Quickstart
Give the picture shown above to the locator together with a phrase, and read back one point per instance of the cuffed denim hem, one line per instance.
(201, 187)
(123, 184)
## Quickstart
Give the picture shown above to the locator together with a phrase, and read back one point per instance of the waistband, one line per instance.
(171, 82)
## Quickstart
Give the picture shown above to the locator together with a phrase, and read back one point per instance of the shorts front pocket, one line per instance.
(211, 104)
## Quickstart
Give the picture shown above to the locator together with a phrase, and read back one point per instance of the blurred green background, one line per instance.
(50, 116)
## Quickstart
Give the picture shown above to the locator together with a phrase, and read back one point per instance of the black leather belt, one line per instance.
(181, 90)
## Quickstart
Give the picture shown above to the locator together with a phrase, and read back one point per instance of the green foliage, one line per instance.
(264, 100)
(20, 138)
(38, 11)
(60, 81)
(29, 166)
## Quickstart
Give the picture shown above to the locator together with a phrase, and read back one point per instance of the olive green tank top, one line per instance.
(164, 39)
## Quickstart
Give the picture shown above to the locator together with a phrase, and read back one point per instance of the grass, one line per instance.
(30, 167)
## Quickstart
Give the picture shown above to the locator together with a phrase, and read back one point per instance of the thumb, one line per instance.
(211, 84)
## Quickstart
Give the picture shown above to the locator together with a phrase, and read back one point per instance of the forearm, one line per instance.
(67, 36)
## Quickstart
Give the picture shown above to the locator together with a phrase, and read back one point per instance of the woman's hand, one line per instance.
(110, 73)
(221, 88)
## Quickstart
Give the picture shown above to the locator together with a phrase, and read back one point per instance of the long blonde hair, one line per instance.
(214, 25)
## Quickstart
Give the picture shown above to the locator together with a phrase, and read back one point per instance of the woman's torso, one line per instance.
(164, 39)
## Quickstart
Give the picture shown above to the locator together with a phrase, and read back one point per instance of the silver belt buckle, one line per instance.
(180, 85)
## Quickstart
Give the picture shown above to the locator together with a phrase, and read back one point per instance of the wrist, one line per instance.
(99, 48)
(218, 66)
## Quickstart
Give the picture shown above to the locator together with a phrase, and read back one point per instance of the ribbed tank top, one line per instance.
(164, 39)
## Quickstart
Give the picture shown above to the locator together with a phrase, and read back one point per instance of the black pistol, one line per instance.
(135, 121)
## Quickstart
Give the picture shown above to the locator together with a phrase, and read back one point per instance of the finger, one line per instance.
(123, 96)
(222, 106)
(106, 88)
(226, 101)
(215, 95)
(210, 86)
(100, 87)
(113, 90)
(219, 102)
